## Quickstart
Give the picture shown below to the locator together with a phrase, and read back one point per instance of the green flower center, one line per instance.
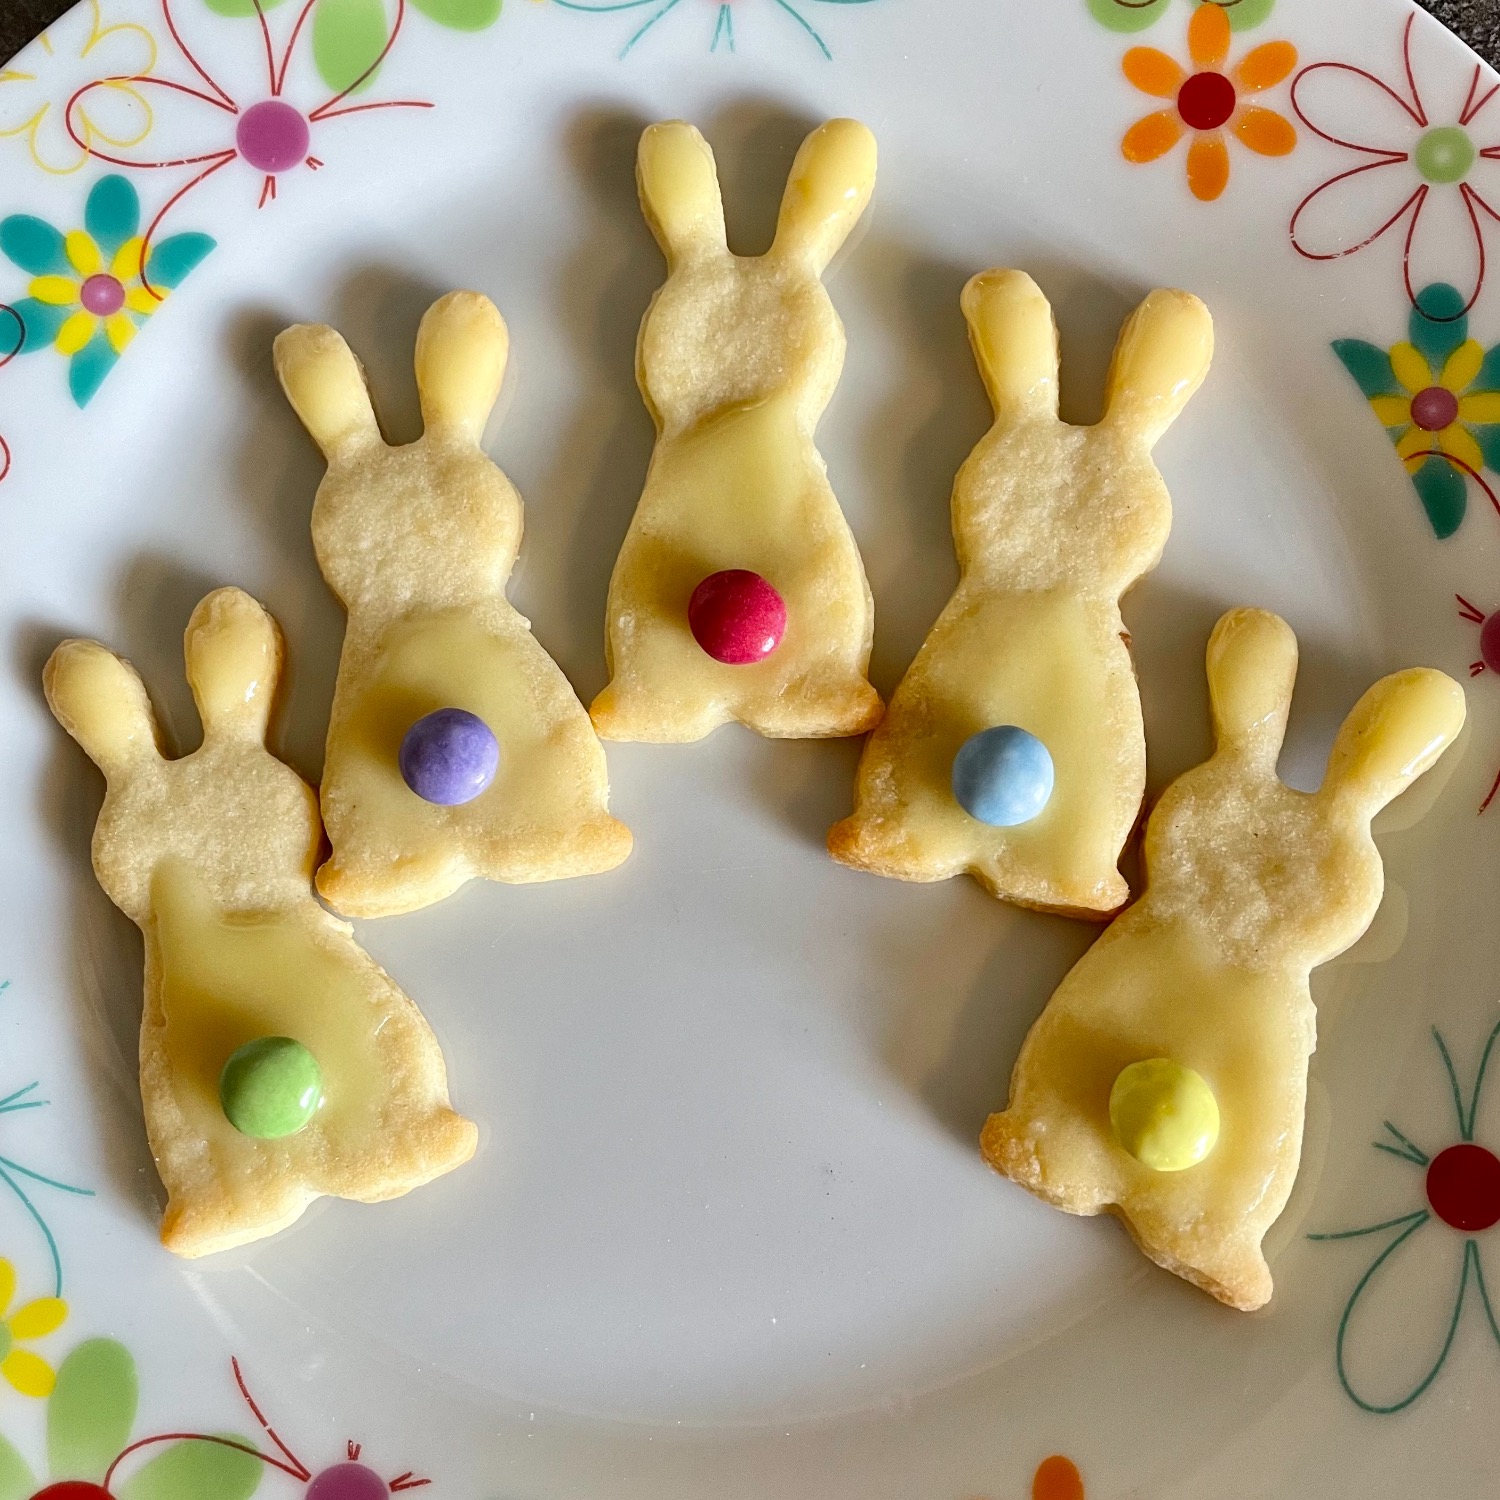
(5, 1339)
(1445, 154)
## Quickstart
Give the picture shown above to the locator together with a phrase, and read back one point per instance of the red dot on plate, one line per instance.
(1205, 101)
(737, 617)
(74, 1489)
(1463, 1186)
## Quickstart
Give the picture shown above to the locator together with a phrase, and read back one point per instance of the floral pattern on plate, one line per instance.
(78, 49)
(1137, 15)
(1437, 394)
(1209, 99)
(1461, 1196)
(723, 25)
(92, 287)
(1429, 162)
(90, 1413)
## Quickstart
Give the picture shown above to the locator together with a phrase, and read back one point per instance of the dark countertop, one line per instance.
(1477, 21)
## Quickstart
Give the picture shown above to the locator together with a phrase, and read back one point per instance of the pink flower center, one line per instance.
(272, 136)
(1205, 101)
(102, 295)
(349, 1481)
(1434, 409)
(1463, 1186)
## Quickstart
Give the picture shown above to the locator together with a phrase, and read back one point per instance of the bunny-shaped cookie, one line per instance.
(211, 856)
(1204, 980)
(1052, 523)
(417, 542)
(736, 360)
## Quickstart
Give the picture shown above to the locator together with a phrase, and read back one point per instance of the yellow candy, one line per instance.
(1163, 1114)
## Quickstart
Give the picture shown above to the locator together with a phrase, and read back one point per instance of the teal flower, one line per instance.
(12, 1174)
(1461, 1189)
(723, 33)
(89, 1416)
(1137, 15)
(1438, 396)
(91, 288)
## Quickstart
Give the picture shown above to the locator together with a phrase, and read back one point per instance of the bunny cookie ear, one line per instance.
(233, 651)
(1394, 733)
(830, 184)
(1252, 668)
(100, 700)
(326, 386)
(1014, 338)
(1160, 359)
(462, 347)
(679, 188)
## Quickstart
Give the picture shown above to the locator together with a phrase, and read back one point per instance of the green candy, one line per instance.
(1164, 1114)
(270, 1088)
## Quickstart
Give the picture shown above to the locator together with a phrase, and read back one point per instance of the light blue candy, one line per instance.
(1002, 776)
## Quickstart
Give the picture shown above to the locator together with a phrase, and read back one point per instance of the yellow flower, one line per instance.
(97, 295)
(1438, 410)
(29, 1373)
(78, 49)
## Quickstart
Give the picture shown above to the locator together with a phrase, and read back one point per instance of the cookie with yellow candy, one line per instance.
(456, 747)
(1166, 1078)
(1014, 748)
(739, 592)
(278, 1061)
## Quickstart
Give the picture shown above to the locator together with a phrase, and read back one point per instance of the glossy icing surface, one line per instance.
(1051, 524)
(1249, 885)
(737, 359)
(228, 978)
(211, 855)
(418, 541)
(542, 808)
(740, 489)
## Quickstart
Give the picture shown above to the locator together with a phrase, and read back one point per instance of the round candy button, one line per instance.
(1163, 1114)
(449, 757)
(737, 617)
(270, 1088)
(1002, 776)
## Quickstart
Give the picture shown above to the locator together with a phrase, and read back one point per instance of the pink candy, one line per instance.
(737, 617)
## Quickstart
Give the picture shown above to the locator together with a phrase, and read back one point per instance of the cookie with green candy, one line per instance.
(279, 1062)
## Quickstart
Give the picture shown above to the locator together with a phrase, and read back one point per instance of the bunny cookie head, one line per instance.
(247, 823)
(1277, 876)
(727, 330)
(434, 521)
(1041, 503)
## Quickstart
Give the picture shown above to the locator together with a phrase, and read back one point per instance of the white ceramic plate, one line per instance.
(728, 1232)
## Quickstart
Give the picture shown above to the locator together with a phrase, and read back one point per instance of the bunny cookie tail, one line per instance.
(818, 713)
(1009, 1145)
(203, 1217)
(1236, 1274)
(1232, 1270)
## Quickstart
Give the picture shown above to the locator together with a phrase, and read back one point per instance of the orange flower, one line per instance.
(1208, 99)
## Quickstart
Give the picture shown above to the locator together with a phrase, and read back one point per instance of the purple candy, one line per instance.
(449, 757)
